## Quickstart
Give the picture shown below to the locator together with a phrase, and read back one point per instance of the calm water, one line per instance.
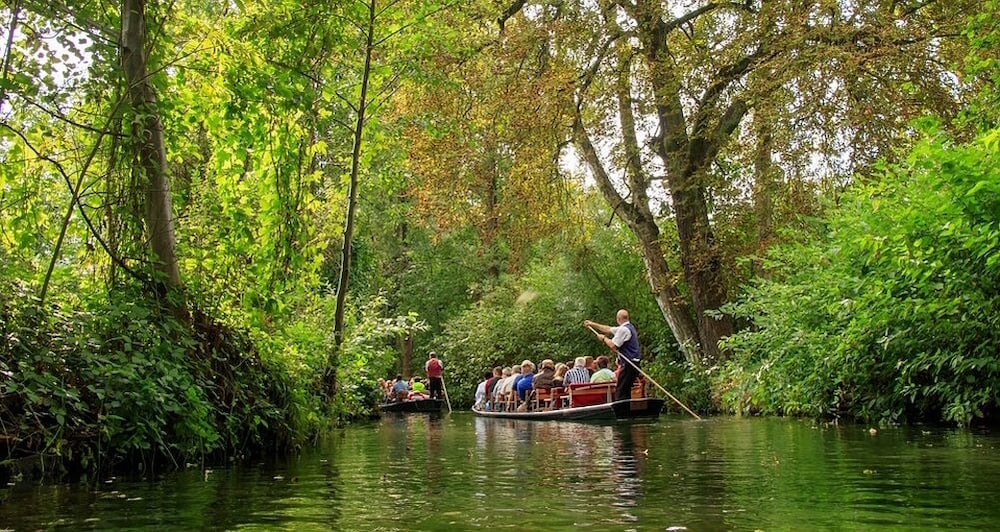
(460, 472)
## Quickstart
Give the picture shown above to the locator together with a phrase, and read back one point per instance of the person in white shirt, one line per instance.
(625, 342)
(481, 390)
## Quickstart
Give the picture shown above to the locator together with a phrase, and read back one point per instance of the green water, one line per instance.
(461, 472)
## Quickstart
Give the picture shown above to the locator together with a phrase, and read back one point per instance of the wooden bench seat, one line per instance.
(587, 394)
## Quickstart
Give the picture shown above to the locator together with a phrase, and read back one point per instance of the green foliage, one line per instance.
(539, 314)
(892, 311)
(369, 354)
(116, 378)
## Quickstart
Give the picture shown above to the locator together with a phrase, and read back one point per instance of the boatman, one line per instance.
(624, 341)
(435, 372)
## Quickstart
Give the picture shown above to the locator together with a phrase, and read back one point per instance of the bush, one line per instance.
(112, 378)
(891, 312)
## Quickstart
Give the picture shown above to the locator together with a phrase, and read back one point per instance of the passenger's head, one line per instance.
(622, 316)
(580, 362)
(487, 375)
(548, 363)
(527, 366)
(561, 370)
(497, 371)
(506, 371)
(588, 362)
(603, 361)
(516, 370)
(416, 379)
(399, 378)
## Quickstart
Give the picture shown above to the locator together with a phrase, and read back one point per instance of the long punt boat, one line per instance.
(414, 405)
(580, 402)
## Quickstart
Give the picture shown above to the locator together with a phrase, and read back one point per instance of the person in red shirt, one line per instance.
(435, 370)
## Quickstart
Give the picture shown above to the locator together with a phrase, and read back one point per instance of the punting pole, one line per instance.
(445, 389)
(644, 374)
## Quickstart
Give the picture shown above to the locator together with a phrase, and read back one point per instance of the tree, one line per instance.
(485, 136)
(683, 80)
(377, 26)
(147, 133)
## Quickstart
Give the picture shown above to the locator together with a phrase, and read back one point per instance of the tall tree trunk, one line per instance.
(661, 279)
(15, 12)
(492, 218)
(685, 160)
(763, 188)
(702, 262)
(147, 133)
(643, 224)
(352, 200)
(662, 282)
(407, 351)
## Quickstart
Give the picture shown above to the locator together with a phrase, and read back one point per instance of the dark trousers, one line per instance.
(434, 387)
(626, 379)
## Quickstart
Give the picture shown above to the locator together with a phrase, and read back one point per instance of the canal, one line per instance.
(462, 472)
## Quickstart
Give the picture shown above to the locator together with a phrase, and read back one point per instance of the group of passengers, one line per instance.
(401, 389)
(414, 389)
(504, 387)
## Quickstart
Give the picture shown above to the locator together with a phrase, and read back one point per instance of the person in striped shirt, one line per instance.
(579, 373)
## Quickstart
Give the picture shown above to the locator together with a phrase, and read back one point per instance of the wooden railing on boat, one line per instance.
(573, 396)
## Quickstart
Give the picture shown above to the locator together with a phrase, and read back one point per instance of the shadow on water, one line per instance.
(444, 472)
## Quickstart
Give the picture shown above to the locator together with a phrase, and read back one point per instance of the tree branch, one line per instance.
(511, 10)
(593, 160)
(79, 206)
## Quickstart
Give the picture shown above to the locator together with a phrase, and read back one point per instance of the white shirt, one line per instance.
(480, 392)
(508, 384)
(622, 335)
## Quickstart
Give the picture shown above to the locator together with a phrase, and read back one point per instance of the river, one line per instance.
(461, 472)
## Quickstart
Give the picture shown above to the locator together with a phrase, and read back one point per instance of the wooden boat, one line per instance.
(626, 409)
(582, 402)
(416, 405)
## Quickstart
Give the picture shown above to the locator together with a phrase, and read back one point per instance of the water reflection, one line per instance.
(444, 472)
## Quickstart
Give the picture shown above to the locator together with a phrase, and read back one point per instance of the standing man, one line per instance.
(435, 372)
(624, 341)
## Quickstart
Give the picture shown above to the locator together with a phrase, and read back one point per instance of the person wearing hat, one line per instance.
(435, 375)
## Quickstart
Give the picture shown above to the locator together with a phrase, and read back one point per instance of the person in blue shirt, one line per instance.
(400, 389)
(527, 376)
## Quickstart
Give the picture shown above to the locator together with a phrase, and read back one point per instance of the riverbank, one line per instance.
(116, 384)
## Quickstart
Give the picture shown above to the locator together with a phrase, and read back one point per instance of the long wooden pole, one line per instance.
(445, 388)
(644, 374)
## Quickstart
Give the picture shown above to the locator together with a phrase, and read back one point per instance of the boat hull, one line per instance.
(624, 410)
(418, 406)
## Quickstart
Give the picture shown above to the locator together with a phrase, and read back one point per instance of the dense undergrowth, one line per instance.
(890, 312)
(110, 381)
(114, 380)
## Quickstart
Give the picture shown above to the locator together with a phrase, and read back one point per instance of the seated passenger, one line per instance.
(498, 387)
(603, 374)
(527, 376)
(400, 389)
(543, 380)
(589, 364)
(557, 379)
(481, 389)
(508, 384)
(418, 386)
(578, 374)
(491, 384)
(416, 396)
